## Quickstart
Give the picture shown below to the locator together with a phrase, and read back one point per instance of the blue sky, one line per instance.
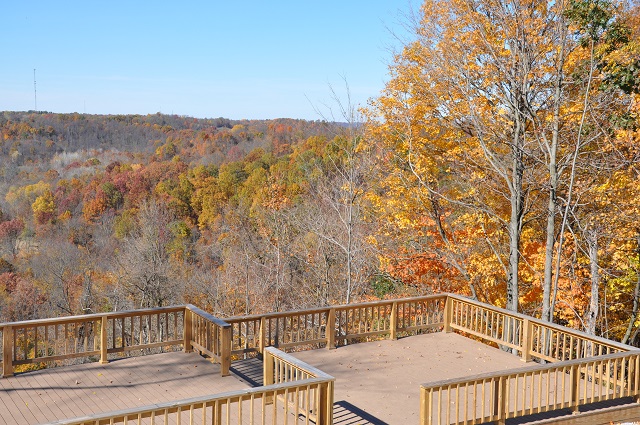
(242, 59)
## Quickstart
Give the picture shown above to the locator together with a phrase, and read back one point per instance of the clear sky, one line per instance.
(235, 59)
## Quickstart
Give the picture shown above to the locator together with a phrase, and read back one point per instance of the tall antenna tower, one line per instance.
(35, 94)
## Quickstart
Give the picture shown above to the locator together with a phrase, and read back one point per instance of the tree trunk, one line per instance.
(592, 315)
(515, 221)
(636, 295)
(553, 185)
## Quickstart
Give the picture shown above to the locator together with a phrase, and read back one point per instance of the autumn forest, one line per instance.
(501, 162)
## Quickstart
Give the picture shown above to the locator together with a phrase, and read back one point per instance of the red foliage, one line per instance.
(11, 229)
(8, 281)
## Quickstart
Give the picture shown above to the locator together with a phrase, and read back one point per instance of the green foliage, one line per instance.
(592, 17)
(625, 121)
(113, 196)
(6, 267)
(179, 229)
(623, 77)
(124, 224)
(383, 284)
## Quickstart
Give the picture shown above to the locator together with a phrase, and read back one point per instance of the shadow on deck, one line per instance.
(344, 413)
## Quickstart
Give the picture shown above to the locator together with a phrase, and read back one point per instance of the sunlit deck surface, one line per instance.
(382, 379)
(71, 391)
(363, 393)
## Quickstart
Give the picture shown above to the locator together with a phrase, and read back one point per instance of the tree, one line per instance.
(490, 112)
(338, 200)
(9, 233)
(145, 273)
(44, 208)
(475, 75)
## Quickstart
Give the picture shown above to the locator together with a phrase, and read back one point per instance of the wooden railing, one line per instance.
(90, 337)
(209, 335)
(336, 325)
(96, 336)
(294, 393)
(251, 334)
(584, 369)
(499, 396)
(281, 368)
(531, 338)
(576, 358)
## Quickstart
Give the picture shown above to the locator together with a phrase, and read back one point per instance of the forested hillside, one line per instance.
(120, 212)
(502, 161)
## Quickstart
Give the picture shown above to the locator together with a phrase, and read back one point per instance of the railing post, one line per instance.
(574, 389)
(263, 335)
(448, 314)
(104, 359)
(331, 329)
(636, 378)
(425, 407)
(225, 352)
(7, 351)
(527, 340)
(187, 331)
(394, 321)
(325, 404)
(267, 372)
(500, 400)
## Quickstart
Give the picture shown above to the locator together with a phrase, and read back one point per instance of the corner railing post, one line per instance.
(263, 335)
(104, 359)
(527, 340)
(325, 404)
(331, 329)
(425, 407)
(448, 314)
(267, 372)
(187, 331)
(7, 351)
(394, 321)
(225, 352)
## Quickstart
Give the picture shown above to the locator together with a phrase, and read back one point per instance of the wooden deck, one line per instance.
(363, 394)
(71, 391)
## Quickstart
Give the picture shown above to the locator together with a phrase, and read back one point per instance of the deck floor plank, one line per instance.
(48, 394)
(47, 407)
(67, 380)
(11, 411)
(22, 403)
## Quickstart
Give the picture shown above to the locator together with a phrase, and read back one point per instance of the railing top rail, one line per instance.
(190, 401)
(530, 369)
(93, 316)
(299, 363)
(220, 322)
(561, 328)
(235, 319)
(336, 307)
(387, 302)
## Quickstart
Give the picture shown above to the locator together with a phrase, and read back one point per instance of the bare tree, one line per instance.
(145, 272)
(339, 195)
